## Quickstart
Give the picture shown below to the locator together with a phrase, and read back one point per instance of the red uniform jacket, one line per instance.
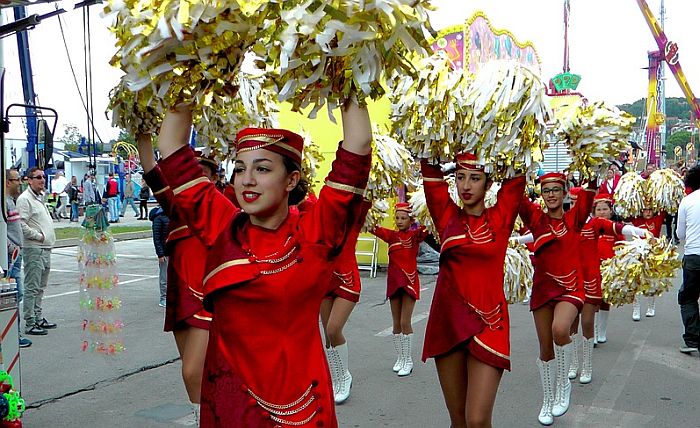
(653, 224)
(265, 362)
(185, 273)
(469, 304)
(557, 256)
(606, 189)
(597, 231)
(402, 273)
(345, 281)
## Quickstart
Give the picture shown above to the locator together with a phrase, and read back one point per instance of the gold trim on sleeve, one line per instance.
(190, 184)
(345, 187)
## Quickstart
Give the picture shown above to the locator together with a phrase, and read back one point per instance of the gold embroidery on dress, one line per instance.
(567, 281)
(590, 286)
(277, 410)
(560, 230)
(491, 318)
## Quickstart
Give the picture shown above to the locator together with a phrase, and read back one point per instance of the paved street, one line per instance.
(640, 378)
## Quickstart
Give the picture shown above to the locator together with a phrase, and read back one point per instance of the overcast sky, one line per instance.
(609, 41)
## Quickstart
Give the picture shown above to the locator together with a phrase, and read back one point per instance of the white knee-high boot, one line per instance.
(636, 310)
(332, 357)
(399, 353)
(573, 369)
(651, 307)
(562, 354)
(406, 345)
(195, 411)
(344, 376)
(547, 374)
(603, 326)
(587, 363)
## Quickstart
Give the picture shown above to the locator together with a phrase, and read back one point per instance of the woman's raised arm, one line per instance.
(357, 129)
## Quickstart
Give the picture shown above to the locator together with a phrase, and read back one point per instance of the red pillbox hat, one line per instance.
(553, 177)
(403, 206)
(468, 161)
(280, 141)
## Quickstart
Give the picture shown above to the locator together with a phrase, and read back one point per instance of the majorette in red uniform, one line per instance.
(468, 319)
(598, 237)
(652, 223)
(265, 364)
(345, 286)
(185, 315)
(402, 282)
(557, 282)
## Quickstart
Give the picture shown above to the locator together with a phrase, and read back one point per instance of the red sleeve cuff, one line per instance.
(350, 169)
(430, 170)
(180, 167)
(155, 179)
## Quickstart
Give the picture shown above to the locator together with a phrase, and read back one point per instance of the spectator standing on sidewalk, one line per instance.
(688, 230)
(129, 194)
(160, 235)
(39, 237)
(58, 186)
(73, 196)
(144, 195)
(111, 194)
(90, 192)
(14, 238)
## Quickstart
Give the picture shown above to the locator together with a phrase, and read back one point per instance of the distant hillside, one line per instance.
(675, 108)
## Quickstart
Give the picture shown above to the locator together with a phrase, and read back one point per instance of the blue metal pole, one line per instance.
(25, 65)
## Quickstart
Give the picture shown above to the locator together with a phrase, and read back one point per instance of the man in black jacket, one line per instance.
(160, 234)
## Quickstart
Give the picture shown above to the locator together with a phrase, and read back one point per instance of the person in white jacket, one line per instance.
(39, 238)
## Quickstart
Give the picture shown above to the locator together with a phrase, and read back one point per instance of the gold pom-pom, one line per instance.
(325, 52)
(392, 166)
(311, 158)
(665, 191)
(595, 135)
(630, 195)
(509, 113)
(133, 111)
(643, 266)
(428, 112)
(376, 214)
(500, 116)
(518, 273)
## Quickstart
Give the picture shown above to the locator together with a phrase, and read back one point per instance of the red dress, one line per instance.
(345, 281)
(653, 224)
(469, 308)
(597, 231)
(183, 307)
(265, 364)
(402, 273)
(557, 256)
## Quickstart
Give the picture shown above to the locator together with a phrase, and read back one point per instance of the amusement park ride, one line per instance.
(565, 84)
(668, 52)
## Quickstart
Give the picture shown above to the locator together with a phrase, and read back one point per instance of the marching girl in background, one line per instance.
(402, 282)
(599, 231)
(557, 292)
(653, 224)
(336, 308)
(468, 326)
(265, 364)
(185, 315)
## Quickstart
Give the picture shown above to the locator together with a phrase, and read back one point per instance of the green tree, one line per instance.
(680, 138)
(71, 137)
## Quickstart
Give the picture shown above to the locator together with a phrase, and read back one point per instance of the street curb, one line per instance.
(72, 242)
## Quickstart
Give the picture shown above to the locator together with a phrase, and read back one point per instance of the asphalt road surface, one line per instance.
(639, 380)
